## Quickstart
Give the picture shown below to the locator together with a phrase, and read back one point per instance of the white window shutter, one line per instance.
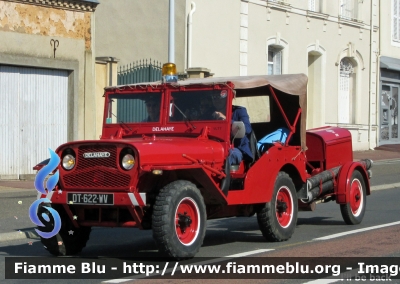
(277, 62)
(355, 9)
(345, 93)
(311, 5)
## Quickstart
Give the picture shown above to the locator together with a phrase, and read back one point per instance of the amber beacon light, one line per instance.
(169, 73)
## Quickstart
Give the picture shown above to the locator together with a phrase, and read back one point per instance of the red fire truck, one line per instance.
(162, 164)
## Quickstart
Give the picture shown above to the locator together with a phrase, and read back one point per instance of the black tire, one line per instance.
(179, 219)
(353, 211)
(63, 243)
(274, 220)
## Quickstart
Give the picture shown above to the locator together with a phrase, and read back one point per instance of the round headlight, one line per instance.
(128, 161)
(68, 162)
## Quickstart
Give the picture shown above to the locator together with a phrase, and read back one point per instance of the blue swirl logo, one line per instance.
(50, 184)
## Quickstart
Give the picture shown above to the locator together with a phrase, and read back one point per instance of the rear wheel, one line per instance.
(179, 219)
(69, 240)
(353, 211)
(277, 219)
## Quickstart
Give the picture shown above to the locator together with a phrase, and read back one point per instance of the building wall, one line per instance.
(135, 30)
(106, 75)
(238, 41)
(26, 32)
(231, 38)
(388, 47)
(216, 36)
(54, 35)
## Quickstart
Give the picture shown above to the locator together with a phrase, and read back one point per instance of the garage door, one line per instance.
(33, 117)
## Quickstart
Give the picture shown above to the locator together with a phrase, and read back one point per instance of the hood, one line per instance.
(172, 151)
(163, 151)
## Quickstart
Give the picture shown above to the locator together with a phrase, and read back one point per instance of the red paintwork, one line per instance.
(329, 145)
(343, 188)
(198, 154)
(260, 178)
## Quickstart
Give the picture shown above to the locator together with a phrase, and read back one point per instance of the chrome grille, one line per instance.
(87, 163)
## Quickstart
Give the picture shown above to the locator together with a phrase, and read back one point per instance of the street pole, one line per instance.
(171, 32)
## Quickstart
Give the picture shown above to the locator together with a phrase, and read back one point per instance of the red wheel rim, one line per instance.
(187, 221)
(284, 207)
(356, 197)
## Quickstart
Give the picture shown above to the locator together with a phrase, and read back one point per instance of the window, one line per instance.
(133, 108)
(396, 20)
(274, 60)
(348, 9)
(197, 105)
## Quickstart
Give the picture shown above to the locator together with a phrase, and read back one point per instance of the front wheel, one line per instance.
(277, 219)
(69, 240)
(353, 211)
(179, 219)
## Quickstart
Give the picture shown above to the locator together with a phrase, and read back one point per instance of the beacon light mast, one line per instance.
(169, 74)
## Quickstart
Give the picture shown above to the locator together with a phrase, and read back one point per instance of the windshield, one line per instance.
(197, 105)
(133, 108)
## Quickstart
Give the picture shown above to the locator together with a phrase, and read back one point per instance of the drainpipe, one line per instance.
(371, 74)
(378, 71)
(189, 35)
(171, 32)
(110, 79)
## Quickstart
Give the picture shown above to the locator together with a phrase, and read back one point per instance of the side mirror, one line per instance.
(238, 129)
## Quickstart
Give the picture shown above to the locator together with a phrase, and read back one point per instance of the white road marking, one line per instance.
(249, 253)
(117, 280)
(322, 281)
(385, 162)
(356, 231)
(385, 186)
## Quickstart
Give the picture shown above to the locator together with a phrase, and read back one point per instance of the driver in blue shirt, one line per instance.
(241, 150)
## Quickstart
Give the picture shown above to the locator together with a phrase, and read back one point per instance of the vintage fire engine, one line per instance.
(161, 164)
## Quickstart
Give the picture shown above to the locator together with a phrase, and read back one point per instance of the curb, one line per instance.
(31, 234)
(12, 236)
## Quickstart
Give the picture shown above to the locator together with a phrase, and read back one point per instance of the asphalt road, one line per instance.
(231, 236)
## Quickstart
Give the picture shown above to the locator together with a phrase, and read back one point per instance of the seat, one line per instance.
(254, 147)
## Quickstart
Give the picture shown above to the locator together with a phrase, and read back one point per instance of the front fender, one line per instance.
(342, 190)
(39, 166)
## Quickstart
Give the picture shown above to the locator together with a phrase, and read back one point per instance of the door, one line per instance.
(389, 114)
(33, 117)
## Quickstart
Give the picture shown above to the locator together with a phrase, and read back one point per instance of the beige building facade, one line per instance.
(47, 79)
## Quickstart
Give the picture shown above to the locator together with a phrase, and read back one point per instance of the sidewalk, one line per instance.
(386, 152)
